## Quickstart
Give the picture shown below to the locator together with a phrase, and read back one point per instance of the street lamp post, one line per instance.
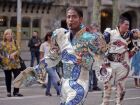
(94, 12)
(19, 3)
(116, 12)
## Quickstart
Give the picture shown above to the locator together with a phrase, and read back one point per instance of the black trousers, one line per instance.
(8, 79)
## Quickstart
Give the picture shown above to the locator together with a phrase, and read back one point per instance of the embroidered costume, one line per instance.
(118, 58)
(76, 76)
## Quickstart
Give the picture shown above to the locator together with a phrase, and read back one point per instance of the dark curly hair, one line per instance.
(48, 34)
(122, 19)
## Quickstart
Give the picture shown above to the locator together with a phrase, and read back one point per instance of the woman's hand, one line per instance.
(12, 56)
(79, 58)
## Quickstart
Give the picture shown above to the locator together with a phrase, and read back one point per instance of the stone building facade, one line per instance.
(127, 8)
(46, 15)
(36, 16)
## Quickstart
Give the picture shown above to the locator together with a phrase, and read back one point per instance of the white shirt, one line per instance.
(45, 47)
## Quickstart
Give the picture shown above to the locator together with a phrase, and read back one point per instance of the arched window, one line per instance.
(106, 19)
(132, 17)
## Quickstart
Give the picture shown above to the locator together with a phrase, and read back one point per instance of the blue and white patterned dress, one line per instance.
(135, 64)
(76, 76)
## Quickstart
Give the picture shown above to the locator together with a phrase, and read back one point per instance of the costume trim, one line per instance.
(74, 77)
(77, 87)
(127, 68)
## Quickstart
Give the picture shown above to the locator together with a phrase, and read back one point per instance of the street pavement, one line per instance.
(34, 95)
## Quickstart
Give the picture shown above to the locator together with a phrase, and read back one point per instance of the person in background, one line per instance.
(34, 44)
(10, 61)
(136, 59)
(93, 82)
(120, 45)
(53, 77)
(73, 47)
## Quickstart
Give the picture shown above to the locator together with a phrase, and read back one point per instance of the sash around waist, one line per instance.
(116, 57)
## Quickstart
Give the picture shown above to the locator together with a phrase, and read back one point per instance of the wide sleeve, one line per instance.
(97, 44)
(52, 58)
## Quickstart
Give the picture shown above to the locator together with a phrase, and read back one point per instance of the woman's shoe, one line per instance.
(17, 95)
(8, 94)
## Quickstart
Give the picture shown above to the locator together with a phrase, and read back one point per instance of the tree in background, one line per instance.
(96, 12)
(116, 13)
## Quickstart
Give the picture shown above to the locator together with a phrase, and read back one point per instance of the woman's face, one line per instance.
(49, 38)
(8, 36)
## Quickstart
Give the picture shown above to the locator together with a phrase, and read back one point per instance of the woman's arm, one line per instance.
(17, 52)
(52, 58)
(41, 55)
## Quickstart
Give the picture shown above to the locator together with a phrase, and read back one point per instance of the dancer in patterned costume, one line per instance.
(135, 64)
(75, 48)
(120, 44)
